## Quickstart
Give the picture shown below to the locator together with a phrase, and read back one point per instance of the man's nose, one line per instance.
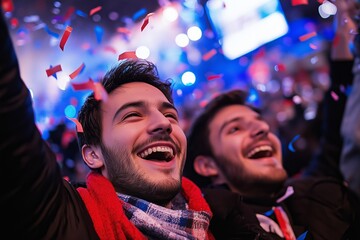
(260, 128)
(159, 124)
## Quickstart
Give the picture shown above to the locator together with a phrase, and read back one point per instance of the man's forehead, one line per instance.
(137, 90)
(235, 111)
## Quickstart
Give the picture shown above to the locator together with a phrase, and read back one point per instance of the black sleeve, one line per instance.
(233, 219)
(326, 161)
(326, 207)
(35, 202)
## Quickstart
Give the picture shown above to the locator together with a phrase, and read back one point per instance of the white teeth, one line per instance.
(258, 149)
(156, 149)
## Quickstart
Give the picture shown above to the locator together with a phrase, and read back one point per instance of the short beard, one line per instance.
(251, 184)
(127, 180)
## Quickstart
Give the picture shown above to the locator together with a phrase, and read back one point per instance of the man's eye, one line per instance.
(130, 115)
(171, 115)
(234, 129)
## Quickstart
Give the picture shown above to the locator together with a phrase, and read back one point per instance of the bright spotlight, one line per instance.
(170, 14)
(194, 33)
(182, 40)
(188, 78)
(142, 52)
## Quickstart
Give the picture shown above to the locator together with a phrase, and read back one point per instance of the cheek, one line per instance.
(179, 134)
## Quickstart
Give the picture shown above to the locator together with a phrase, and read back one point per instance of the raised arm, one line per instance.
(30, 179)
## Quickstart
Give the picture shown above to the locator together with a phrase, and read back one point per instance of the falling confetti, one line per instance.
(53, 70)
(302, 236)
(280, 67)
(7, 5)
(99, 32)
(313, 46)
(99, 92)
(89, 85)
(334, 96)
(146, 21)
(307, 36)
(95, 10)
(123, 30)
(126, 55)
(79, 127)
(214, 76)
(299, 2)
(209, 54)
(51, 33)
(77, 71)
(291, 147)
(65, 37)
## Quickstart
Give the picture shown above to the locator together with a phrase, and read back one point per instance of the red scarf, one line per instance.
(106, 211)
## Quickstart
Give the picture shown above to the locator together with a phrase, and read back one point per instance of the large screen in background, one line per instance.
(244, 25)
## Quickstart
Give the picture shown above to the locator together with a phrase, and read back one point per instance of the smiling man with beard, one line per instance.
(236, 160)
(132, 142)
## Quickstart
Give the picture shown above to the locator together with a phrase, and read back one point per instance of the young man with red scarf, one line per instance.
(132, 142)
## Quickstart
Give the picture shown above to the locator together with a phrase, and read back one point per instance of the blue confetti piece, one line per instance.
(81, 13)
(302, 236)
(291, 147)
(348, 90)
(54, 75)
(269, 213)
(99, 31)
(51, 33)
(139, 13)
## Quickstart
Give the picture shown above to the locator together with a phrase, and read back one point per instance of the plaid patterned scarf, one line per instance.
(159, 222)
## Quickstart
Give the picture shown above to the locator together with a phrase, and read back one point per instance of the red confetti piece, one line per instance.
(77, 71)
(14, 22)
(280, 67)
(334, 96)
(83, 86)
(209, 54)
(215, 76)
(53, 70)
(146, 21)
(299, 2)
(336, 40)
(307, 36)
(69, 13)
(95, 10)
(79, 127)
(313, 46)
(65, 37)
(110, 49)
(123, 30)
(7, 5)
(125, 55)
(100, 92)
(203, 103)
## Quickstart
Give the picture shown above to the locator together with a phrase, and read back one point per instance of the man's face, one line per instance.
(247, 154)
(143, 145)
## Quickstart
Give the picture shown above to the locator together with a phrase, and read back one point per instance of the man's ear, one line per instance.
(205, 166)
(92, 156)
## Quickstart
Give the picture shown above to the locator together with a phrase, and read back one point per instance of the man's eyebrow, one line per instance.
(235, 119)
(128, 105)
(167, 105)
